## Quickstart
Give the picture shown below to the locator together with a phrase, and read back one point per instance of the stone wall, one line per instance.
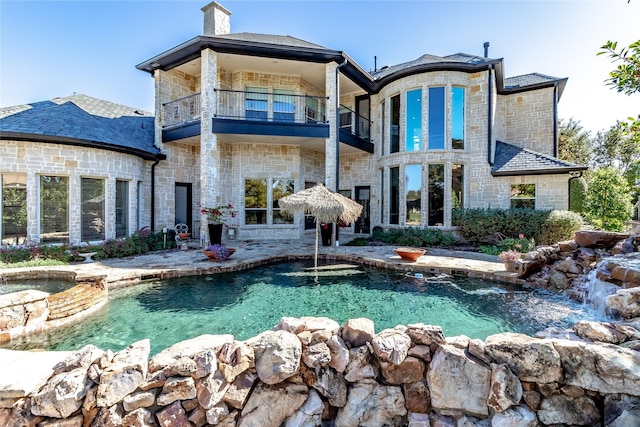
(312, 372)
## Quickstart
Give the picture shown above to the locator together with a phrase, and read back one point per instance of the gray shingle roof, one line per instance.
(528, 80)
(462, 58)
(511, 160)
(270, 39)
(82, 120)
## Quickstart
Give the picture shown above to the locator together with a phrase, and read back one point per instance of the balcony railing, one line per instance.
(354, 123)
(271, 107)
(180, 111)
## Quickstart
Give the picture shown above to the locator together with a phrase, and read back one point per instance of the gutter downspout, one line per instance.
(153, 194)
(335, 224)
(489, 117)
(555, 119)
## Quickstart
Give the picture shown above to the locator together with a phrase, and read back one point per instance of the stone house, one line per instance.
(244, 119)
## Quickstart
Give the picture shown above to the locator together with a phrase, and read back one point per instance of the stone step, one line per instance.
(74, 300)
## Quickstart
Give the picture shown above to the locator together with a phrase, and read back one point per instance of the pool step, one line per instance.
(74, 300)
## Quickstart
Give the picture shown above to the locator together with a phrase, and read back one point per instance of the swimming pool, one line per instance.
(51, 286)
(249, 302)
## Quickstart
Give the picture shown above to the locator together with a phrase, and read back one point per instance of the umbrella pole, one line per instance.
(316, 259)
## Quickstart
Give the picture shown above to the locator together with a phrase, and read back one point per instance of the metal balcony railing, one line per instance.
(354, 123)
(271, 107)
(180, 111)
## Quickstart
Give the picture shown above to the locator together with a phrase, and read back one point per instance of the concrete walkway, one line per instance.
(22, 372)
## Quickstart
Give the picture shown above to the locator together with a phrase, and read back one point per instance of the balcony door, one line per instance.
(184, 198)
(363, 114)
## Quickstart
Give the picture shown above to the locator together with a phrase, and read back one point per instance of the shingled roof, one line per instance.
(461, 58)
(270, 39)
(511, 160)
(84, 121)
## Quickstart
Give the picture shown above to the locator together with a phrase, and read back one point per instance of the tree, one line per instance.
(608, 202)
(626, 77)
(618, 147)
(574, 143)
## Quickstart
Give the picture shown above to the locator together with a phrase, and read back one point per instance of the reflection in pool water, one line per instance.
(249, 302)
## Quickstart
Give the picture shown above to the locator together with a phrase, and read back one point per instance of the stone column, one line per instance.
(75, 209)
(209, 154)
(33, 189)
(331, 151)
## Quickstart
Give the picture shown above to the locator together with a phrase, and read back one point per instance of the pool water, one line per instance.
(247, 303)
(52, 286)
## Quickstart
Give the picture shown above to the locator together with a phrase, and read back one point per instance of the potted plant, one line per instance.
(326, 230)
(218, 252)
(511, 259)
(214, 220)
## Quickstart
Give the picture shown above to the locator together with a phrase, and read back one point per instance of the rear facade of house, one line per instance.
(244, 119)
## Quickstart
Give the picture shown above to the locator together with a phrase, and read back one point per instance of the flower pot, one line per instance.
(511, 266)
(215, 233)
(212, 255)
(410, 254)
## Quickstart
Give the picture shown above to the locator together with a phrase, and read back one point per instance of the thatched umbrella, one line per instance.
(324, 205)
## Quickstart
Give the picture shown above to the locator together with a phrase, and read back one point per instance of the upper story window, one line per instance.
(394, 146)
(256, 103)
(413, 132)
(457, 118)
(436, 118)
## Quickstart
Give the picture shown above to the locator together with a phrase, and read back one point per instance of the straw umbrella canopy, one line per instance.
(324, 205)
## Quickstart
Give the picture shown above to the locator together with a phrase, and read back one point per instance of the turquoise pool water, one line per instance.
(51, 286)
(249, 302)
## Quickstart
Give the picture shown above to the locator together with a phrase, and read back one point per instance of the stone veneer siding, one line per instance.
(36, 158)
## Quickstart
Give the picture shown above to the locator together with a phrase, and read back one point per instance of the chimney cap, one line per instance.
(216, 5)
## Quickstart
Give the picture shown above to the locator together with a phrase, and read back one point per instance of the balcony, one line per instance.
(264, 113)
(355, 129)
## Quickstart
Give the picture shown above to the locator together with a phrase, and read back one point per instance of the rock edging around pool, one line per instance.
(312, 372)
(31, 311)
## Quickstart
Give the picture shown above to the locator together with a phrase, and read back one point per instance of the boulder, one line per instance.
(316, 355)
(457, 382)
(621, 410)
(558, 280)
(391, 345)
(216, 413)
(126, 372)
(188, 348)
(425, 334)
(371, 404)
(239, 390)
(626, 302)
(277, 356)
(598, 238)
(311, 324)
(411, 370)
(173, 416)
(517, 416)
(271, 405)
(62, 395)
(416, 396)
(177, 388)
(235, 358)
(599, 331)
(422, 352)
(331, 385)
(605, 368)
(206, 363)
(561, 409)
(211, 389)
(82, 358)
(358, 332)
(309, 414)
(360, 366)
(418, 420)
(140, 399)
(531, 359)
(138, 418)
(506, 389)
(183, 366)
(339, 353)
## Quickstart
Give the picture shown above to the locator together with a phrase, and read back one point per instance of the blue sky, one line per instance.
(55, 48)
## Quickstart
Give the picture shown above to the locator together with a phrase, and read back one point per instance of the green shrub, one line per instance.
(608, 202)
(491, 225)
(136, 244)
(412, 236)
(577, 194)
(358, 241)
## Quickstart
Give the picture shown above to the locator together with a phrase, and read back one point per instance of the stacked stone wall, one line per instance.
(40, 158)
(312, 372)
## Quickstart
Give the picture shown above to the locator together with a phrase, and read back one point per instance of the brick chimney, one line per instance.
(216, 19)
